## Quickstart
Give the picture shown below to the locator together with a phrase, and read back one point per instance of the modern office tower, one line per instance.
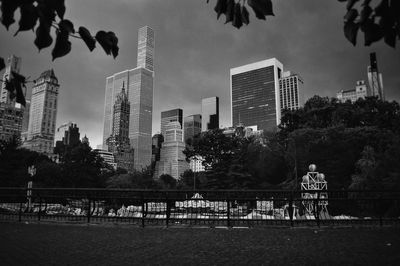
(145, 57)
(13, 65)
(360, 91)
(255, 94)
(43, 113)
(209, 113)
(171, 116)
(375, 78)
(107, 156)
(139, 88)
(156, 141)
(290, 89)
(10, 121)
(118, 142)
(192, 126)
(172, 160)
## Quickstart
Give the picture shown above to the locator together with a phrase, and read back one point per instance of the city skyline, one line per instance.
(317, 51)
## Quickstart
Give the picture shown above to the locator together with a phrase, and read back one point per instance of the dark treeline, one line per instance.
(356, 146)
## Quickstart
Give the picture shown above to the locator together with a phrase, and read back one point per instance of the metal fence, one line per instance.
(209, 207)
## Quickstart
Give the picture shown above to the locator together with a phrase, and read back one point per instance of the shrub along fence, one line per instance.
(207, 207)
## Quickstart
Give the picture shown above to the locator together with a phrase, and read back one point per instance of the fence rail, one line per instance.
(205, 207)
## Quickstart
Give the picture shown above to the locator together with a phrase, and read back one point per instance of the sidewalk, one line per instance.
(60, 244)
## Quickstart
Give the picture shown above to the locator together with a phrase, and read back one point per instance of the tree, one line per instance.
(48, 14)
(378, 21)
(167, 182)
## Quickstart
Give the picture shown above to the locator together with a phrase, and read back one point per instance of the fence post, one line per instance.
(88, 211)
(290, 208)
(380, 212)
(229, 212)
(316, 209)
(20, 212)
(142, 198)
(40, 208)
(168, 213)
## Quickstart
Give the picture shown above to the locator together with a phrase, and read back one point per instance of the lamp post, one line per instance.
(31, 172)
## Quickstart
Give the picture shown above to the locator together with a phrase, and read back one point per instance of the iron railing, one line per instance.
(206, 207)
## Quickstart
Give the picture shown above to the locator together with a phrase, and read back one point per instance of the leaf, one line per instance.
(29, 17)
(350, 4)
(114, 41)
(87, 38)
(58, 6)
(229, 11)
(109, 42)
(66, 26)
(2, 64)
(46, 13)
(245, 15)
(372, 32)
(382, 9)
(103, 40)
(390, 38)
(62, 46)
(350, 31)
(220, 7)
(237, 16)
(351, 15)
(365, 13)
(8, 8)
(263, 7)
(43, 37)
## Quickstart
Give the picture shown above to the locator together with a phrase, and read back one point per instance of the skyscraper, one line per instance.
(139, 88)
(171, 116)
(255, 94)
(11, 114)
(290, 89)
(118, 143)
(209, 113)
(43, 113)
(145, 57)
(375, 78)
(192, 126)
(172, 160)
(13, 65)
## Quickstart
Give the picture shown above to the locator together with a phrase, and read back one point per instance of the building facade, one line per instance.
(290, 91)
(172, 159)
(139, 88)
(107, 156)
(209, 113)
(375, 78)
(13, 65)
(10, 121)
(175, 115)
(192, 126)
(43, 113)
(255, 94)
(11, 114)
(360, 91)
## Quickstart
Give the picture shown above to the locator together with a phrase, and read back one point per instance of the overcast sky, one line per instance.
(194, 53)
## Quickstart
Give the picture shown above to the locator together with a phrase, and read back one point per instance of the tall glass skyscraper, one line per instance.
(192, 126)
(139, 87)
(255, 94)
(375, 78)
(209, 113)
(171, 116)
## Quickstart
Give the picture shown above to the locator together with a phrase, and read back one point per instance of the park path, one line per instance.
(65, 244)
